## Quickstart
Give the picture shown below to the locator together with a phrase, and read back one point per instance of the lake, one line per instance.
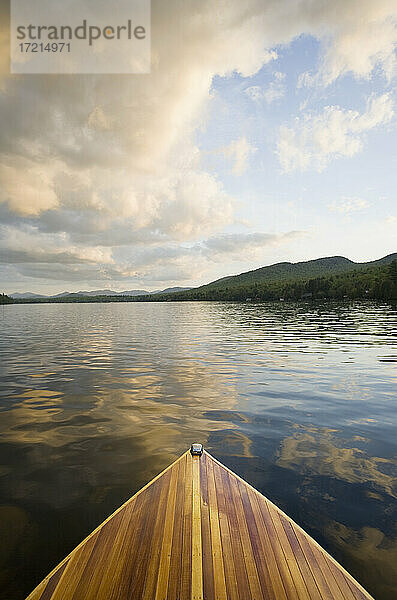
(297, 398)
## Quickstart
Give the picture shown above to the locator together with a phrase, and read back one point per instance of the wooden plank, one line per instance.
(343, 584)
(105, 559)
(136, 563)
(301, 558)
(186, 574)
(109, 572)
(248, 553)
(197, 560)
(165, 554)
(52, 583)
(199, 532)
(208, 575)
(311, 543)
(267, 553)
(302, 591)
(324, 566)
(39, 589)
(356, 591)
(112, 570)
(155, 543)
(235, 540)
(228, 558)
(74, 571)
(175, 567)
(216, 543)
(282, 564)
(321, 582)
(255, 537)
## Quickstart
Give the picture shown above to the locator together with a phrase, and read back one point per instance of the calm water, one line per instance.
(299, 399)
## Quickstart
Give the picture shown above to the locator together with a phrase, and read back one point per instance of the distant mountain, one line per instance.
(333, 277)
(93, 293)
(171, 290)
(100, 293)
(25, 295)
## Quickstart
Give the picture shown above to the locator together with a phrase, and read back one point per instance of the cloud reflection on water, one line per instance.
(97, 399)
(320, 452)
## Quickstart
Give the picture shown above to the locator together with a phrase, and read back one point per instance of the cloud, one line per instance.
(358, 38)
(274, 91)
(27, 188)
(348, 205)
(27, 245)
(98, 120)
(160, 262)
(239, 151)
(315, 140)
(361, 43)
(109, 163)
(233, 243)
(50, 256)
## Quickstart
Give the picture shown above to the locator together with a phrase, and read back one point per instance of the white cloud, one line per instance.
(315, 140)
(359, 37)
(361, 43)
(28, 187)
(51, 256)
(348, 205)
(239, 151)
(110, 162)
(28, 245)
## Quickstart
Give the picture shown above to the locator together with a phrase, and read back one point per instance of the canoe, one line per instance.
(198, 531)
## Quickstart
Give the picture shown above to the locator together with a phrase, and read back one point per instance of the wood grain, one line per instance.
(199, 532)
(197, 558)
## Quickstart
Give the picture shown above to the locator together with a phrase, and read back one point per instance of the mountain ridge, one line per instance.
(289, 270)
(93, 293)
(327, 277)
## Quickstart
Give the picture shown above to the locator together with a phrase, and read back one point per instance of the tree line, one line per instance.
(379, 283)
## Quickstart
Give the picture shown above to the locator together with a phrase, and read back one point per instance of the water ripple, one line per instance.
(299, 399)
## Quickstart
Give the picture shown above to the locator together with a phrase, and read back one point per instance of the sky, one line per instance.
(265, 132)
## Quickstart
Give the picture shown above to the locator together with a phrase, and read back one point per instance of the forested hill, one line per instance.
(324, 278)
(302, 270)
(378, 282)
